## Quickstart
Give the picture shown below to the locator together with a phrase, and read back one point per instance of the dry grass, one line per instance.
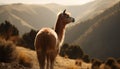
(28, 58)
(65, 63)
(9, 52)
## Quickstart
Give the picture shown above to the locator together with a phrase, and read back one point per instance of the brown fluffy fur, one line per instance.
(47, 41)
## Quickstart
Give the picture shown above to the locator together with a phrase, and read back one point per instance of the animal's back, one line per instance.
(46, 40)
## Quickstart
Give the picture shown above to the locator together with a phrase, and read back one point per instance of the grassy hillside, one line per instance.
(83, 12)
(101, 38)
(26, 17)
(17, 57)
(96, 13)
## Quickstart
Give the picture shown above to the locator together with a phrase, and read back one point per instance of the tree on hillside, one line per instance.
(64, 49)
(7, 30)
(28, 39)
(72, 51)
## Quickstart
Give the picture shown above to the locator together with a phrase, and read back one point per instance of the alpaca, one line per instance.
(48, 41)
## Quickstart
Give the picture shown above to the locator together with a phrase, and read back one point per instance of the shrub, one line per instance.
(10, 53)
(96, 63)
(110, 61)
(28, 39)
(63, 50)
(118, 60)
(72, 51)
(7, 51)
(86, 58)
(7, 30)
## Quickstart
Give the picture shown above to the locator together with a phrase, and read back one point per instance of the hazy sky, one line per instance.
(64, 2)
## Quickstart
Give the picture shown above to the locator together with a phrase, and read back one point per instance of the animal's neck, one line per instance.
(60, 30)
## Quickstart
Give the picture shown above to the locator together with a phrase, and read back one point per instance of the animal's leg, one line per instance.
(48, 62)
(52, 59)
(41, 59)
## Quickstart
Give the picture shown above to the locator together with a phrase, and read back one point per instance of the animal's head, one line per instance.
(65, 17)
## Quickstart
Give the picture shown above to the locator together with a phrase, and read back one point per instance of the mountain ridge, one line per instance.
(76, 30)
(27, 16)
(103, 36)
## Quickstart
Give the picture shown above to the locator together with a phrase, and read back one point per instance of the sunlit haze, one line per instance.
(63, 2)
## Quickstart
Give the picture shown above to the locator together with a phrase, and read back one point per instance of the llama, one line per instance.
(48, 41)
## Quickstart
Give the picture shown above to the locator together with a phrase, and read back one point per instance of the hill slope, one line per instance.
(101, 39)
(26, 17)
(16, 57)
(90, 15)
(85, 11)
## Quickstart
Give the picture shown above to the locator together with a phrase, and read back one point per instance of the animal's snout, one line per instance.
(73, 20)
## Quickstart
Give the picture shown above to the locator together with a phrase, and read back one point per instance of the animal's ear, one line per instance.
(64, 11)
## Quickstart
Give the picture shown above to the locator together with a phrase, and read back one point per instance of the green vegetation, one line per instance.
(71, 51)
(27, 39)
(8, 30)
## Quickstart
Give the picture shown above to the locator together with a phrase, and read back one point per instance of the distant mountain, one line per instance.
(83, 12)
(94, 8)
(100, 37)
(26, 17)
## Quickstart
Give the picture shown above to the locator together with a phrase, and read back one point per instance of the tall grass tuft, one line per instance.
(7, 51)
